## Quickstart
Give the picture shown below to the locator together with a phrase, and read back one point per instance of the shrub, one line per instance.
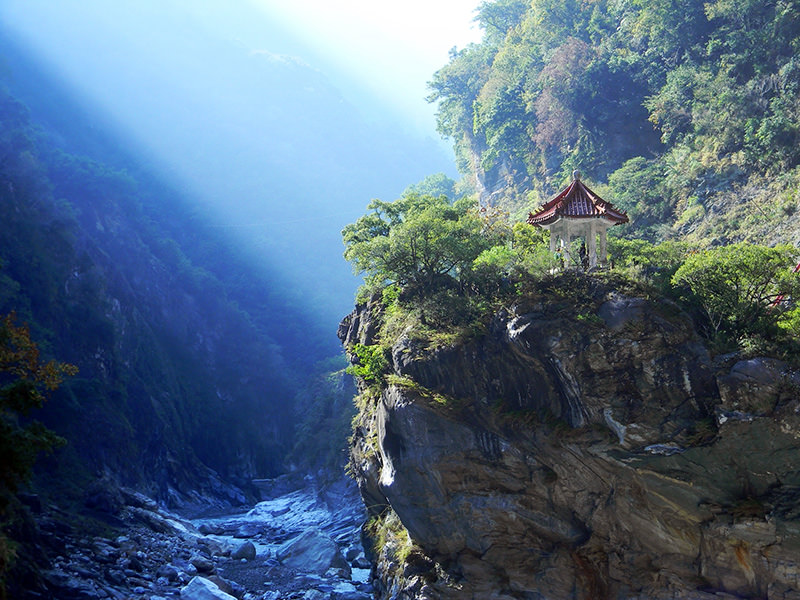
(734, 289)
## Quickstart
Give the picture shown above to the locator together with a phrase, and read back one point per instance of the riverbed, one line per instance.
(302, 543)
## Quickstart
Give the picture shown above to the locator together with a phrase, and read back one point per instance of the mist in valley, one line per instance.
(266, 137)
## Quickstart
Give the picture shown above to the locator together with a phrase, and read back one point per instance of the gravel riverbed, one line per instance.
(303, 544)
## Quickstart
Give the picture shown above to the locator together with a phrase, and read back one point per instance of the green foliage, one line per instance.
(371, 363)
(418, 242)
(650, 263)
(324, 403)
(390, 538)
(638, 187)
(435, 185)
(736, 288)
(25, 383)
(669, 102)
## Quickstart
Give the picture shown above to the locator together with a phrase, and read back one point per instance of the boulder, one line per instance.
(104, 496)
(229, 587)
(200, 588)
(168, 572)
(211, 529)
(246, 551)
(313, 551)
(202, 564)
(753, 386)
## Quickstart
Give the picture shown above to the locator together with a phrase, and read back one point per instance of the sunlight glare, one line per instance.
(392, 48)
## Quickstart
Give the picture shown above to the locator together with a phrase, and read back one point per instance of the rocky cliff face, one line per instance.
(603, 455)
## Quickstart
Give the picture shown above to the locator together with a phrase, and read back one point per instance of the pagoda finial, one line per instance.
(576, 175)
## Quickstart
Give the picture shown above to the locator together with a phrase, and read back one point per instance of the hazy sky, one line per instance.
(271, 114)
(392, 47)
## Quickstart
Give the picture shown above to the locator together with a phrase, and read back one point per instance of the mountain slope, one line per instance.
(673, 106)
(168, 363)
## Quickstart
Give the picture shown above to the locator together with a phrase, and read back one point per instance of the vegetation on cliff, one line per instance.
(26, 381)
(442, 270)
(471, 337)
(682, 109)
(685, 116)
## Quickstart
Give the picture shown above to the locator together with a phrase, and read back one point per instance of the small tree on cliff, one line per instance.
(25, 382)
(419, 242)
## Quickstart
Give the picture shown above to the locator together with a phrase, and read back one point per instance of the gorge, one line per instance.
(518, 409)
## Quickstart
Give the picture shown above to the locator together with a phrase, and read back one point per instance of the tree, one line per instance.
(736, 288)
(25, 382)
(417, 242)
(438, 184)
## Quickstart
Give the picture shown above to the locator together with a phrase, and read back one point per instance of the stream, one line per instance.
(298, 544)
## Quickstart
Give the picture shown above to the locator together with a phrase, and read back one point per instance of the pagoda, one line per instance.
(578, 212)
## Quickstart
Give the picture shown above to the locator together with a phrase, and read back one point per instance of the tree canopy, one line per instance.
(25, 382)
(418, 241)
(741, 288)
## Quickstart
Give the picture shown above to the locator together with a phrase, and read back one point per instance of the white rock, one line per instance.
(200, 588)
(312, 552)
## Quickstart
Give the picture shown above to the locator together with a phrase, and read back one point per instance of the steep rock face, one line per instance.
(602, 457)
(172, 358)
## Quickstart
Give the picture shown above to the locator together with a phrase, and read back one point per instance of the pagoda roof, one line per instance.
(576, 201)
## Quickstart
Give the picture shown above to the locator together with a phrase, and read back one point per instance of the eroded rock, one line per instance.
(200, 588)
(312, 552)
(602, 458)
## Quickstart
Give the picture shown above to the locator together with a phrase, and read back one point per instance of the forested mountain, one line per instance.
(537, 422)
(168, 360)
(684, 109)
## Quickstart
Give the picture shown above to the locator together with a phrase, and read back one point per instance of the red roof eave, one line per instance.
(577, 202)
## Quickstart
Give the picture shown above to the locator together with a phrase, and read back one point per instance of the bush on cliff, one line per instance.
(421, 243)
(742, 292)
(445, 268)
(741, 296)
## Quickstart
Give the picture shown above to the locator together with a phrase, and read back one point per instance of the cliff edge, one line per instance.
(563, 454)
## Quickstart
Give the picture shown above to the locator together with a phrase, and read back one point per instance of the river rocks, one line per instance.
(165, 556)
(246, 551)
(606, 457)
(202, 564)
(313, 552)
(200, 588)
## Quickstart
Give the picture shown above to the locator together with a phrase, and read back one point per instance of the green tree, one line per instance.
(419, 242)
(25, 382)
(438, 184)
(736, 288)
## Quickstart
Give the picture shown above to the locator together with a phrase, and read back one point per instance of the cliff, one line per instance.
(174, 353)
(592, 454)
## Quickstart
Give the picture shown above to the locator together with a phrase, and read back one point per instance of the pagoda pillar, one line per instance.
(591, 245)
(565, 241)
(603, 256)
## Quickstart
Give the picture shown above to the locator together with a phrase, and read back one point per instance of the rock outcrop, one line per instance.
(600, 455)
